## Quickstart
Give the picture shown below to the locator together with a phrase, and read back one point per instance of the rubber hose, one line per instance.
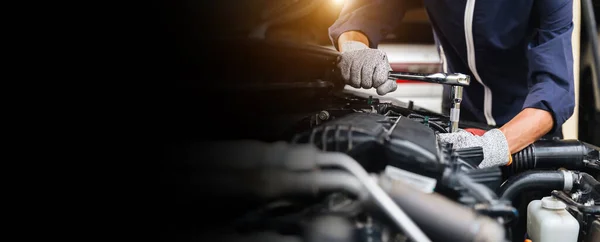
(551, 180)
(443, 219)
(550, 154)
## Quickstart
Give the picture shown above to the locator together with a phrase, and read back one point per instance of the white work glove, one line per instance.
(493, 142)
(364, 67)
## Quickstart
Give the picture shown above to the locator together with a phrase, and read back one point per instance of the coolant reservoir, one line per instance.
(549, 221)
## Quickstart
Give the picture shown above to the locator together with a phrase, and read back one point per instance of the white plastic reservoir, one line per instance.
(548, 221)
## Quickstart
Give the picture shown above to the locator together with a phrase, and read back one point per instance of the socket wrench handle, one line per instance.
(453, 79)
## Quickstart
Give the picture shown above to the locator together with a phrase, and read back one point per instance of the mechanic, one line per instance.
(519, 53)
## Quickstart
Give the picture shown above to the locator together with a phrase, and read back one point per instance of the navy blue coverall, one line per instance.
(517, 52)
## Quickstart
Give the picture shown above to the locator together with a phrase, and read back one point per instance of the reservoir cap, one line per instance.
(552, 203)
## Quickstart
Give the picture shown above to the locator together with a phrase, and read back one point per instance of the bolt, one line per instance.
(323, 115)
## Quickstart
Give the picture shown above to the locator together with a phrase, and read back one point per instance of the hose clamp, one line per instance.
(568, 178)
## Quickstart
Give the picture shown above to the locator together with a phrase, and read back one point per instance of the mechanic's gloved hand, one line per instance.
(364, 67)
(493, 142)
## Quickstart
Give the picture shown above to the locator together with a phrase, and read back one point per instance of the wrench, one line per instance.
(457, 80)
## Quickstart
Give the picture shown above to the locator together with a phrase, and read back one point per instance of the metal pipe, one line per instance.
(335, 180)
(379, 196)
(442, 218)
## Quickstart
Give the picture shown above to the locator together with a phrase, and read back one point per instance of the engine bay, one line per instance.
(290, 156)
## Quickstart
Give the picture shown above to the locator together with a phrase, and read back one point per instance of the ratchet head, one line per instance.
(459, 79)
(453, 79)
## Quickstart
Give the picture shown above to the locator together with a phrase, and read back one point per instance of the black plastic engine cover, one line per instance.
(376, 141)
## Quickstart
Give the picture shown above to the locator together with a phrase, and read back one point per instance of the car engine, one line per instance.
(290, 155)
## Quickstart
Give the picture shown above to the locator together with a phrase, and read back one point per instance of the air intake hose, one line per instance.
(554, 154)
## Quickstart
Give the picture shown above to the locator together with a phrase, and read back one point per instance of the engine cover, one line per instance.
(376, 141)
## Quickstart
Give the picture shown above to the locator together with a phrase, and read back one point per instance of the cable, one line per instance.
(379, 196)
(414, 115)
(429, 121)
(582, 208)
(438, 127)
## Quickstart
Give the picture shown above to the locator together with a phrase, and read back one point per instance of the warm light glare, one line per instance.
(338, 1)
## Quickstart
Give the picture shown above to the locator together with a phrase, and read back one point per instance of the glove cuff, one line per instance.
(353, 46)
(510, 159)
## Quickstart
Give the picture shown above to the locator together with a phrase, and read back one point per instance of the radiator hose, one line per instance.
(550, 180)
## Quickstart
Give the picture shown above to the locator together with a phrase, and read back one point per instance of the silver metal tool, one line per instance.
(454, 79)
(457, 94)
(457, 80)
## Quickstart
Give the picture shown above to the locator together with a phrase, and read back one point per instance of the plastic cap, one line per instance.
(552, 203)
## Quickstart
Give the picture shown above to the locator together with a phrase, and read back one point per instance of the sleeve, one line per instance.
(374, 18)
(550, 57)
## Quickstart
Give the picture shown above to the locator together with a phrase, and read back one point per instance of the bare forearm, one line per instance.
(527, 127)
(352, 36)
